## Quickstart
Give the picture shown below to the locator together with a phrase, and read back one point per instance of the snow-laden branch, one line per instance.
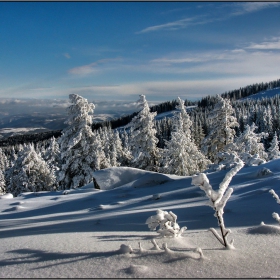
(275, 215)
(218, 200)
(275, 196)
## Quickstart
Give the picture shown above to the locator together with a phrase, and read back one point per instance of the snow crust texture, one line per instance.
(92, 233)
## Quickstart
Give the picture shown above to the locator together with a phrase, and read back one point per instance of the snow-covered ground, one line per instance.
(264, 94)
(84, 233)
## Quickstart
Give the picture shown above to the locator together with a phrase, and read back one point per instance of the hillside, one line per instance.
(83, 233)
(264, 94)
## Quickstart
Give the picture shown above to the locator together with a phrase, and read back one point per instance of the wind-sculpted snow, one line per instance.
(114, 177)
(101, 233)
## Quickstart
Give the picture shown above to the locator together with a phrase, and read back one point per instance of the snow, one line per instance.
(91, 233)
(264, 94)
(172, 113)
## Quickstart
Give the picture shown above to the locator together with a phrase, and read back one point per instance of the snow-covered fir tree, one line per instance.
(121, 156)
(52, 156)
(126, 152)
(3, 165)
(106, 134)
(30, 173)
(187, 123)
(248, 146)
(76, 144)
(2, 183)
(221, 131)
(273, 150)
(143, 140)
(180, 155)
(3, 160)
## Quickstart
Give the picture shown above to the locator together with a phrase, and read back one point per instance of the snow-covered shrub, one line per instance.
(252, 160)
(218, 200)
(30, 173)
(249, 147)
(226, 161)
(166, 221)
(275, 215)
(264, 172)
(156, 196)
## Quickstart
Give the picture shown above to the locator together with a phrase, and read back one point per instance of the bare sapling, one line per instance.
(218, 200)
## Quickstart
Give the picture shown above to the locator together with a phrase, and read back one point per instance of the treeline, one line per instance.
(205, 102)
(191, 141)
(239, 93)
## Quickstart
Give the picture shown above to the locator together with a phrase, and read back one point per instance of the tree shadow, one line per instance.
(122, 237)
(40, 256)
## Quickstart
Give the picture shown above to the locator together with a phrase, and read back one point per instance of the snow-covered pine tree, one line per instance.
(273, 150)
(187, 123)
(105, 134)
(122, 157)
(198, 133)
(126, 160)
(30, 173)
(221, 131)
(76, 144)
(52, 156)
(3, 166)
(248, 146)
(2, 183)
(3, 160)
(180, 155)
(143, 140)
(52, 152)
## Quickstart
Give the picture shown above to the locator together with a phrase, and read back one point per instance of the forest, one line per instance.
(217, 132)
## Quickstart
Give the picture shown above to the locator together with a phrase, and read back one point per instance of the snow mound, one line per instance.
(264, 229)
(114, 177)
(15, 208)
(137, 269)
(6, 196)
(124, 249)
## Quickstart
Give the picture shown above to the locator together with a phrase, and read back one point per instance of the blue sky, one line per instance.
(118, 50)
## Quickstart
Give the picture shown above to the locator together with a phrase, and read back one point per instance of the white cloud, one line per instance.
(252, 59)
(273, 44)
(92, 67)
(168, 26)
(169, 90)
(84, 70)
(67, 55)
(242, 8)
(233, 9)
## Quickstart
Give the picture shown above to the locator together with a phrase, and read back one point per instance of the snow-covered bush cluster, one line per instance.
(188, 143)
(165, 224)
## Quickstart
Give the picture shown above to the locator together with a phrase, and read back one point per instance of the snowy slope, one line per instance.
(79, 233)
(170, 114)
(264, 94)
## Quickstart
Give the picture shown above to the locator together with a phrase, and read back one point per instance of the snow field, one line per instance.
(85, 233)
